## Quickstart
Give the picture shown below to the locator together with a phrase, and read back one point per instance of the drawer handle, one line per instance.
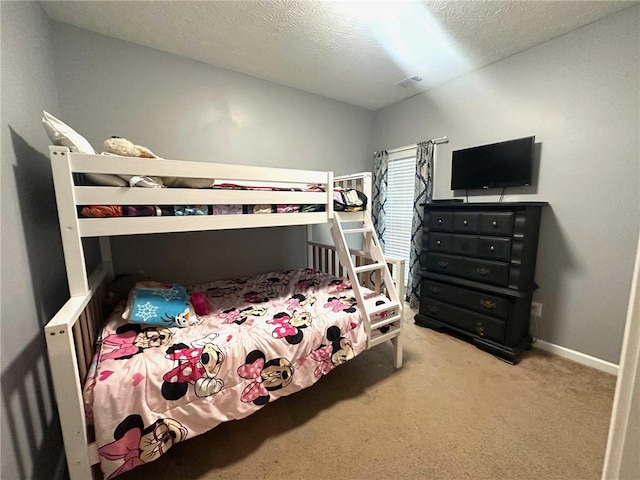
(434, 289)
(433, 309)
(439, 221)
(483, 271)
(488, 304)
(438, 242)
(480, 328)
(494, 224)
(492, 248)
(465, 223)
(443, 264)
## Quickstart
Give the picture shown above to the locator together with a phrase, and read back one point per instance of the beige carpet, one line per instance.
(451, 412)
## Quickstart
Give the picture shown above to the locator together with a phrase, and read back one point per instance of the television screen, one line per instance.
(503, 164)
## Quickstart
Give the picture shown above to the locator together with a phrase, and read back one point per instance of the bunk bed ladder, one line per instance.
(383, 322)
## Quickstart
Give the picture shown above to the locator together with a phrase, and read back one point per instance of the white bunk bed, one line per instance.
(71, 335)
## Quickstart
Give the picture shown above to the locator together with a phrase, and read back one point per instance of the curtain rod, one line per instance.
(435, 141)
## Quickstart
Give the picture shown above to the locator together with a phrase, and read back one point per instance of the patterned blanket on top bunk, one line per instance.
(343, 200)
(265, 337)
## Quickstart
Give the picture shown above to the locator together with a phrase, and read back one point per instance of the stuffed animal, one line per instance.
(122, 146)
(200, 304)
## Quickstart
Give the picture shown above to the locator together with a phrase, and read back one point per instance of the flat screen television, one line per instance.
(502, 164)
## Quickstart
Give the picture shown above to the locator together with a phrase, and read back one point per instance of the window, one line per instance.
(399, 207)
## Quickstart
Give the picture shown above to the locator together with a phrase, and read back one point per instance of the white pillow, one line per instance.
(62, 134)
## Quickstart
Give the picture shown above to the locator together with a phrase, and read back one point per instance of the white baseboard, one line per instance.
(578, 357)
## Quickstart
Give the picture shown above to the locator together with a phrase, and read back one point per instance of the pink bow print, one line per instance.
(188, 357)
(230, 317)
(284, 328)
(336, 305)
(252, 371)
(323, 355)
(123, 343)
(127, 447)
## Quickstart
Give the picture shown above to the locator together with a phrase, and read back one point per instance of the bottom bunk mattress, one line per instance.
(265, 337)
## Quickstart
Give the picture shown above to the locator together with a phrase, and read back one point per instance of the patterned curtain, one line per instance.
(423, 194)
(380, 167)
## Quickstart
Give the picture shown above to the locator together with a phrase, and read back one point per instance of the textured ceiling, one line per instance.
(352, 51)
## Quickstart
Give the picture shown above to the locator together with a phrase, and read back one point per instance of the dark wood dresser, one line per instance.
(478, 266)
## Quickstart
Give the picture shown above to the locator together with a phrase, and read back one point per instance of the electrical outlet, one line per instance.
(536, 309)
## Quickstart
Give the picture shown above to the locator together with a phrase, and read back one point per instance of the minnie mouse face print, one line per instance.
(265, 376)
(131, 339)
(336, 353)
(198, 365)
(153, 337)
(136, 444)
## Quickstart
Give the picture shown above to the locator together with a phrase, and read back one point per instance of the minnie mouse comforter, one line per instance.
(265, 337)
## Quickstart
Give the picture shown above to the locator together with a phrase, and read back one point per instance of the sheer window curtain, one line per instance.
(423, 194)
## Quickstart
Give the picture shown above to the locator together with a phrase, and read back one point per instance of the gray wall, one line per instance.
(184, 109)
(579, 94)
(33, 286)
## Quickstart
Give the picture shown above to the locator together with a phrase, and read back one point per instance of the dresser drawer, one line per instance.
(481, 325)
(439, 242)
(441, 221)
(446, 264)
(486, 271)
(471, 299)
(464, 245)
(495, 248)
(496, 223)
(466, 222)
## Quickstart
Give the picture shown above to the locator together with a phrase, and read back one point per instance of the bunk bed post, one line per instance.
(105, 254)
(397, 347)
(329, 196)
(69, 227)
(65, 341)
(367, 187)
(401, 287)
(309, 247)
(65, 374)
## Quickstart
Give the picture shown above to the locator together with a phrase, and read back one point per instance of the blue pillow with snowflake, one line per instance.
(162, 304)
